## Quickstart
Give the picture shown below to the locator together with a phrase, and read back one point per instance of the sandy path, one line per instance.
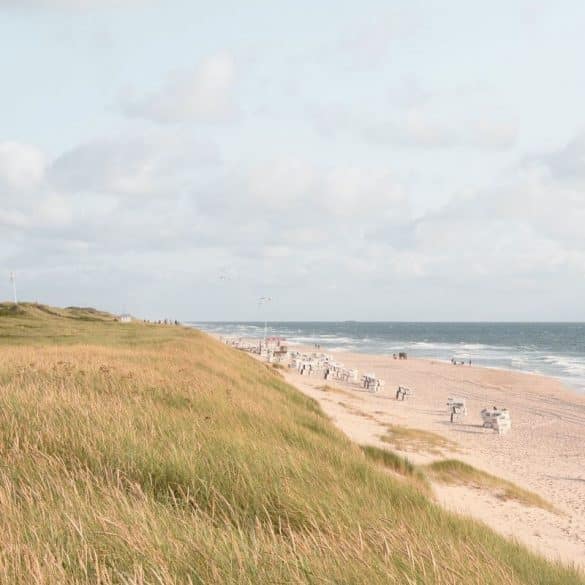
(544, 452)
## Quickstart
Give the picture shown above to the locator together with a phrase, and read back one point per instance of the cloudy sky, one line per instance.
(380, 160)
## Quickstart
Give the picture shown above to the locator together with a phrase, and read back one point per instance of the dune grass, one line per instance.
(414, 440)
(141, 454)
(335, 390)
(399, 465)
(452, 471)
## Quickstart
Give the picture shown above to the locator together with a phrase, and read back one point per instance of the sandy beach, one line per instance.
(544, 451)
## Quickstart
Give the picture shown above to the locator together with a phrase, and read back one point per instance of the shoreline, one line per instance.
(566, 366)
(557, 379)
(543, 452)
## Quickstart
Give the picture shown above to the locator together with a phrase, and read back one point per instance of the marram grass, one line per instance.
(141, 454)
(455, 472)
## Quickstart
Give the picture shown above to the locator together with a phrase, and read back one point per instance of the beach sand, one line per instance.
(544, 451)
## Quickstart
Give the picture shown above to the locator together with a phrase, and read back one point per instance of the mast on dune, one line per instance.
(263, 301)
(13, 281)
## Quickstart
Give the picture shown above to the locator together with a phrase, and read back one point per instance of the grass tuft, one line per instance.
(397, 464)
(452, 471)
(415, 440)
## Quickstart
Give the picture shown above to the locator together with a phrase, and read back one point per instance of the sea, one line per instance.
(551, 349)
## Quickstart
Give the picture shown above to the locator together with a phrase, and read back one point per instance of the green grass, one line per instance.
(397, 464)
(415, 440)
(141, 454)
(33, 323)
(454, 472)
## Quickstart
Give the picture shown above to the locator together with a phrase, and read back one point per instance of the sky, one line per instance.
(392, 160)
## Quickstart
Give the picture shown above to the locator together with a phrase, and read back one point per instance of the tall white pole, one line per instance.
(13, 280)
(263, 301)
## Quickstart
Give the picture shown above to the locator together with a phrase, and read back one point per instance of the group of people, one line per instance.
(459, 363)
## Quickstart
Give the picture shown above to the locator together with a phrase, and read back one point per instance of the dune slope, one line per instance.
(134, 453)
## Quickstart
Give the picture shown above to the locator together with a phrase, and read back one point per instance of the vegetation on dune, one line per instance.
(399, 465)
(454, 472)
(335, 390)
(408, 439)
(135, 454)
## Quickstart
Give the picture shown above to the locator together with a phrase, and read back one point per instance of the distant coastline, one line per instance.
(555, 350)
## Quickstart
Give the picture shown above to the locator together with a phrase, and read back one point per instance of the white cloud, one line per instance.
(369, 42)
(409, 93)
(22, 167)
(356, 191)
(528, 225)
(205, 94)
(567, 164)
(10, 218)
(54, 210)
(413, 129)
(139, 165)
(66, 3)
(130, 203)
(290, 198)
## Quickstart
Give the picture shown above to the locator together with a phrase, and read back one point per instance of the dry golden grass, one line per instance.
(135, 454)
(334, 390)
(414, 440)
(400, 466)
(452, 471)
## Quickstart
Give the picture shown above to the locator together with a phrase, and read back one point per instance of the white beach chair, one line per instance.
(497, 419)
(457, 410)
(503, 423)
(452, 399)
(354, 376)
(371, 382)
(458, 403)
(403, 392)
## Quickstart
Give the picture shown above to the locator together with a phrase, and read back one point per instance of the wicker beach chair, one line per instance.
(403, 392)
(497, 419)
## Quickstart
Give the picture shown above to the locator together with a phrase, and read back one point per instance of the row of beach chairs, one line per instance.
(323, 365)
(494, 418)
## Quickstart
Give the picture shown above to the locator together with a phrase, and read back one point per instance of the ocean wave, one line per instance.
(310, 339)
(483, 347)
(343, 348)
(521, 349)
(570, 363)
